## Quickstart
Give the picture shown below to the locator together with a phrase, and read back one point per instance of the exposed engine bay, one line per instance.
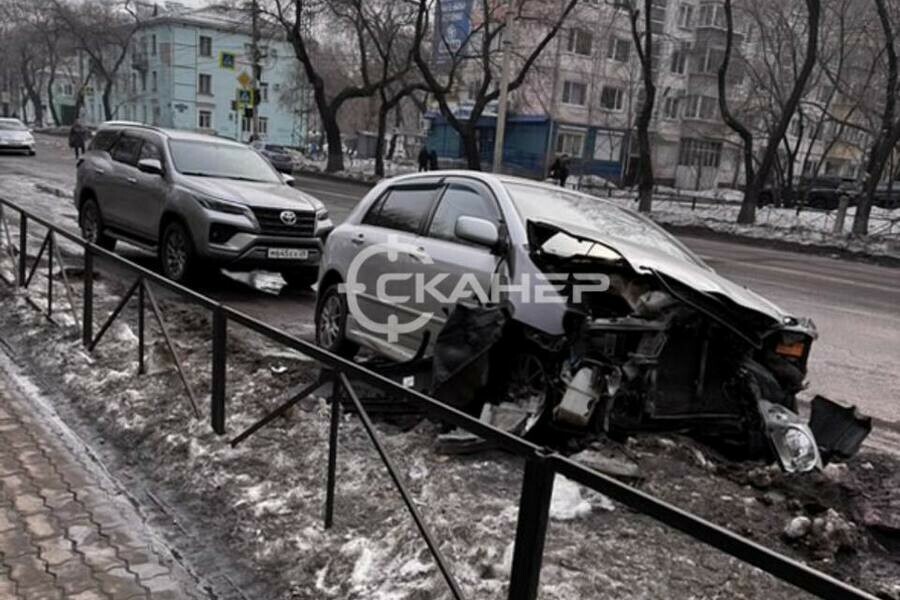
(644, 352)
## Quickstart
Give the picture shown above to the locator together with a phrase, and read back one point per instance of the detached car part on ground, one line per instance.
(657, 341)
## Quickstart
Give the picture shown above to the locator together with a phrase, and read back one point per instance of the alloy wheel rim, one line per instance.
(176, 254)
(330, 321)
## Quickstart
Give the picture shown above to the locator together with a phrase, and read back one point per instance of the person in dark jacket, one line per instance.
(424, 158)
(78, 134)
(432, 161)
(559, 170)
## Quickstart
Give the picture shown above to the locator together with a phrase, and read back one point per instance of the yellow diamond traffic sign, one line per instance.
(244, 79)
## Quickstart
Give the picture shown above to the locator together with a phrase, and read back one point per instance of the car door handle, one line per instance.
(359, 239)
(132, 180)
(418, 255)
(99, 171)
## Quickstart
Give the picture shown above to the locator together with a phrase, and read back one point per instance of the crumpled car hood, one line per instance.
(642, 259)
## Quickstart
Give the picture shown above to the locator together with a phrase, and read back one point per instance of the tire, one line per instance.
(177, 257)
(300, 279)
(331, 321)
(90, 221)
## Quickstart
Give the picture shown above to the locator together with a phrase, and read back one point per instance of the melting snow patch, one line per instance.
(567, 503)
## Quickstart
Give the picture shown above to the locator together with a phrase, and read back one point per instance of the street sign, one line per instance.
(227, 60)
(245, 80)
(244, 96)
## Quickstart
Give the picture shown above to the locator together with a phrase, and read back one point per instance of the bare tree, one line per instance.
(756, 178)
(888, 134)
(345, 17)
(472, 61)
(643, 42)
(103, 31)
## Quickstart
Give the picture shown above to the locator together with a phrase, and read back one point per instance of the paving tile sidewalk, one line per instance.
(63, 533)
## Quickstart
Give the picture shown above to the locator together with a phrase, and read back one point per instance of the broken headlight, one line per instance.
(792, 439)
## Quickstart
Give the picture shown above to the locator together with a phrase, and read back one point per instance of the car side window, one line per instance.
(403, 209)
(104, 139)
(126, 150)
(460, 200)
(150, 150)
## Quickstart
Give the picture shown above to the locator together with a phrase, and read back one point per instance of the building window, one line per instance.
(205, 46)
(143, 113)
(134, 83)
(612, 98)
(156, 115)
(153, 44)
(701, 107)
(143, 81)
(619, 49)
(580, 41)
(699, 153)
(154, 83)
(574, 92)
(679, 61)
(711, 60)
(712, 15)
(67, 89)
(263, 92)
(204, 84)
(670, 107)
(204, 119)
(658, 16)
(608, 146)
(245, 124)
(263, 126)
(570, 142)
(685, 15)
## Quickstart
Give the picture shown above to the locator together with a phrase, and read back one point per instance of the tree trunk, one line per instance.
(877, 160)
(379, 140)
(50, 103)
(333, 137)
(468, 136)
(645, 115)
(107, 103)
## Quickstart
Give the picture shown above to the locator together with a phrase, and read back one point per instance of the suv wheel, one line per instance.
(176, 253)
(300, 278)
(331, 321)
(91, 224)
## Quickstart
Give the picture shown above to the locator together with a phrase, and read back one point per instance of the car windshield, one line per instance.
(12, 126)
(209, 159)
(539, 203)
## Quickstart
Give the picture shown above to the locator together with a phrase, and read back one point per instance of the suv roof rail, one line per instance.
(128, 124)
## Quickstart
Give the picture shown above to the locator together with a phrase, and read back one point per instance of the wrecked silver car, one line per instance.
(564, 316)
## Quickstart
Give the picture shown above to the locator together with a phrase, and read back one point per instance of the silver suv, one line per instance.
(195, 199)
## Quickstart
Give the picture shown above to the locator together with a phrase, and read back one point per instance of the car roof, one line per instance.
(479, 175)
(10, 120)
(174, 134)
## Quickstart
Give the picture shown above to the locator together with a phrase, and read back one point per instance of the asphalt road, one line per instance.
(855, 305)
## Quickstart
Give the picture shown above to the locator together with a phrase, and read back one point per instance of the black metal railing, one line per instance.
(541, 464)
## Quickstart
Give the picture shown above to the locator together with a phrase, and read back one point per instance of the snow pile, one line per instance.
(356, 169)
(567, 502)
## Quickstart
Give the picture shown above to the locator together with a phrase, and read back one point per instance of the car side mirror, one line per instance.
(150, 165)
(478, 231)
(288, 179)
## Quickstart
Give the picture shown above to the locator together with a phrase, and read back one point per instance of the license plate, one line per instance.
(288, 253)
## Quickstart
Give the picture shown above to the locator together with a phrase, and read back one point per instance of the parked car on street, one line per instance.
(196, 199)
(15, 135)
(821, 192)
(275, 154)
(637, 333)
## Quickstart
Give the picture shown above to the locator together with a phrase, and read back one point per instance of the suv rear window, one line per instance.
(104, 139)
(402, 209)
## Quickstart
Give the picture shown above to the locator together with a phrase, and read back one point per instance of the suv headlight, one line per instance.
(222, 206)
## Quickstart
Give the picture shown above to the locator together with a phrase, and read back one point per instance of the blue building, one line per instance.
(192, 70)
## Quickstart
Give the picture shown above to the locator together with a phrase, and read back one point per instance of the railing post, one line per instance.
(23, 247)
(141, 368)
(531, 531)
(332, 451)
(50, 242)
(87, 318)
(219, 373)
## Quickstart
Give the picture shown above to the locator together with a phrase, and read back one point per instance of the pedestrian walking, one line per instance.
(559, 170)
(77, 137)
(432, 161)
(424, 159)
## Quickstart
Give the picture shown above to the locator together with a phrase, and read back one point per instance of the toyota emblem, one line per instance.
(288, 217)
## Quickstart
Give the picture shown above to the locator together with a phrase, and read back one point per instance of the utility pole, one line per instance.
(255, 68)
(508, 35)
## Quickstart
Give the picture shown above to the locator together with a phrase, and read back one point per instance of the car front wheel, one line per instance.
(300, 278)
(176, 253)
(331, 323)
